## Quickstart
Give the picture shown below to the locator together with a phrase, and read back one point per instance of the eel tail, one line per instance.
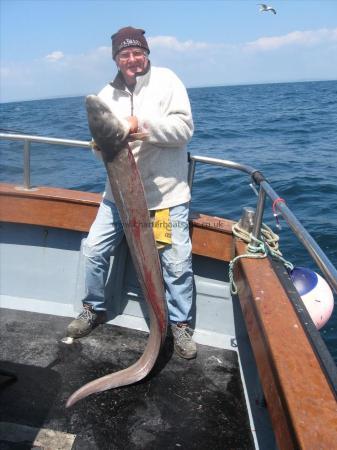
(139, 370)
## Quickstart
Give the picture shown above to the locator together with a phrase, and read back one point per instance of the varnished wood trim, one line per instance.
(59, 194)
(53, 207)
(301, 403)
(212, 237)
(212, 223)
(76, 210)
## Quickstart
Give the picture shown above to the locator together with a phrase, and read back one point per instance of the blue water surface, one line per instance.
(288, 131)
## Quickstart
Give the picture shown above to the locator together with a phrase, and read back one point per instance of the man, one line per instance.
(152, 100)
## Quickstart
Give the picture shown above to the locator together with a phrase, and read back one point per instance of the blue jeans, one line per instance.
(104, 237)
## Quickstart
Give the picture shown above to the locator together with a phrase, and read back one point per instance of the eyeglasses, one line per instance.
(137, 54)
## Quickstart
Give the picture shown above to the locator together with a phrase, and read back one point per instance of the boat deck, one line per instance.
(182, 405)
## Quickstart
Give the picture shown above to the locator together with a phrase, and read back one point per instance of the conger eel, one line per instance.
(111, 136)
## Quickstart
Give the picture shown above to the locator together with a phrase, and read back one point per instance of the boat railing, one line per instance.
(320, 258)
(28, 139)
(258, 182)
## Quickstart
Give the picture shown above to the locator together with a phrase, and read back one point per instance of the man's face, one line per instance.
(131, 61)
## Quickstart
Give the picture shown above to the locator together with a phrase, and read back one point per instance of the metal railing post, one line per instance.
(191, 171)
(256, 233)
(26, 164)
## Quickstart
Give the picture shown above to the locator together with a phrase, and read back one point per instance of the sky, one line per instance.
(53, 48)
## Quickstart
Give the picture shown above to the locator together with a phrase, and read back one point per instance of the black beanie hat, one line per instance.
(128, 37)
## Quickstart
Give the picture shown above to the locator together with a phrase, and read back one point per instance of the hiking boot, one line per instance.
(184, 346)
(84, 323)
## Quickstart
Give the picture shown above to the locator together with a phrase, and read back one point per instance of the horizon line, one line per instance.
(248, 83)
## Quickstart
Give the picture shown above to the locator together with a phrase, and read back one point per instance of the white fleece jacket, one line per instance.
(161, 104)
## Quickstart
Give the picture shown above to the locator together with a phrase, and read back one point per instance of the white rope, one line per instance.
(258, 249)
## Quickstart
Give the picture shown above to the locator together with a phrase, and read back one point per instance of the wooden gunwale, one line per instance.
(301, 404)
(300, 401)
(53, 207)
(76, 210)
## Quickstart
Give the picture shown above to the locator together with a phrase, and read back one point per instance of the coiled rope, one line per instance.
(256, 248)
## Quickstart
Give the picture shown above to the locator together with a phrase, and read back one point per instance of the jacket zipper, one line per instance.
(131, 98)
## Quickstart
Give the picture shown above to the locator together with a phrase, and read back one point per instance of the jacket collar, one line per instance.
(142, 77)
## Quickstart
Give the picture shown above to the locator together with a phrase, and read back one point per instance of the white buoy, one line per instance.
(315, 294)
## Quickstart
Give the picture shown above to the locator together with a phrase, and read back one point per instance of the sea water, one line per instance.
(288, 131)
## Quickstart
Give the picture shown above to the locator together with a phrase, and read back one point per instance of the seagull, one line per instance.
(267, 8)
